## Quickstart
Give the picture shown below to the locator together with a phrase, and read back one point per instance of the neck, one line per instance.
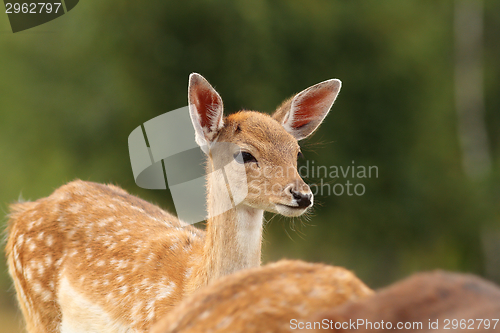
(233, 241)
(233, 238)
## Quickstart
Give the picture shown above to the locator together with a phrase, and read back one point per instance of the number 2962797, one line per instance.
(32, 8)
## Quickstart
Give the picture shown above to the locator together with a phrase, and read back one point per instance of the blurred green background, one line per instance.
(73, 89)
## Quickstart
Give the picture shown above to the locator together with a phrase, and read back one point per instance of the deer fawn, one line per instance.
(92, 258)
(272, 298)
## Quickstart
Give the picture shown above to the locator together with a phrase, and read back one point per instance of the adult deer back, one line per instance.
(272, 298)
(425, 302)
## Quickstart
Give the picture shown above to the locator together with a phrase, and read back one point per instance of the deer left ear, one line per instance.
(206, 111)
(302, 114)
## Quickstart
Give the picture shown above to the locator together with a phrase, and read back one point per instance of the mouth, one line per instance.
(293, 207)
(290, 211)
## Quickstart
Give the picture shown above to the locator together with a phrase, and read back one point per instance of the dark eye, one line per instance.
(245, 157)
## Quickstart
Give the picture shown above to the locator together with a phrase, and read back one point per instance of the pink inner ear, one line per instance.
(206, 103)
(310, 107)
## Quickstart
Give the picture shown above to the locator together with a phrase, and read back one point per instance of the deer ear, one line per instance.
(302, 114)
(205, 109)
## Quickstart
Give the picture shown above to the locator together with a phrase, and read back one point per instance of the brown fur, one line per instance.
(258, 133)
(67, 230)
(264, 299)
(423, 297)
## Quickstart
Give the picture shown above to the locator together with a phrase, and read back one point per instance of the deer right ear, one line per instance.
(206, 111)
(302, 114)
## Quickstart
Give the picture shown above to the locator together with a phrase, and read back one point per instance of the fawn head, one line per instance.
(266, 146)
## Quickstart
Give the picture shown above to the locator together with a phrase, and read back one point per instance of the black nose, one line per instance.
(303, 200)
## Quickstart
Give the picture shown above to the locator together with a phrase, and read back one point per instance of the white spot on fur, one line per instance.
(318, 292)
(60, 195)
(103, 222)
(58, 262)
(28, 274)
(140, 210)
(71, 233)
(150, 309)
(88, 250)
(165, 291)
(225, 322)
(124, 231)
(56, 209)
(204, 315)
(48, 260)
(75, 207)
(35, 223)
(188, 272)
(137, 311)
(17, 260)
(109, 243)
(20, 240)
(110, 297)
(32, 246)
(19, 267)
(37, 287)
(62, 223)
(123, 289)
(40, 268)
(122, 264)
(49, 240)
(46, 296)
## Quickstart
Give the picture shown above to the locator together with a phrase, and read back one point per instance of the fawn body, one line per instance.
(271, 298)
(92, 258)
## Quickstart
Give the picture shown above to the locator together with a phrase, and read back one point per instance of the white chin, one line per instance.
(290, 211)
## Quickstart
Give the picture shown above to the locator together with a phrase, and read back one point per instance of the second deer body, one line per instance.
(92, 258)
